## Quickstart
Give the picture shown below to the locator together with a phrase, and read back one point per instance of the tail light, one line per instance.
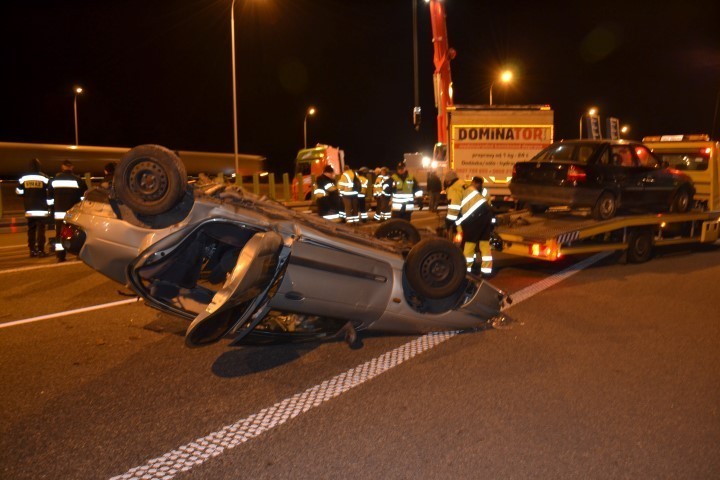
(72, 238)
(576, 174)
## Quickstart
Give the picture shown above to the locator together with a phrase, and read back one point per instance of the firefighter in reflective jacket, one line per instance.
(33, 187)
(476, 224)
(326, 195)
(66, 189)
(404, 191)
(349, 196)
(362, 175)
(381, 192)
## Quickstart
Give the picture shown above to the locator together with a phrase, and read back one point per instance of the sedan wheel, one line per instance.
(605, 207)
(435, 268)
(150, 179)
(681, 201)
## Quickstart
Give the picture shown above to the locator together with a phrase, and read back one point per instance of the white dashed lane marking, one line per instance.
(201, 450)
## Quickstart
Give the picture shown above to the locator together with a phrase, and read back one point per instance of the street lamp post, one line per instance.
(590, 113)
(78, 91)
(505, 77)
(311, 112)
(234, 85)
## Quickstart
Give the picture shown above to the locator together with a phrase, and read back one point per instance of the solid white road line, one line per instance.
(38, 267)
(199, 451)
(69, 312)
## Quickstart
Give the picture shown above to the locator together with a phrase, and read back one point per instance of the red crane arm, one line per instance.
(441, 59)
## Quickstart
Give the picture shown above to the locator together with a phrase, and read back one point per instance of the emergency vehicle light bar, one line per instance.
(697, 137)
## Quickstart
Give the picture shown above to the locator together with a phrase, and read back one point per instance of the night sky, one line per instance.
(157, 71)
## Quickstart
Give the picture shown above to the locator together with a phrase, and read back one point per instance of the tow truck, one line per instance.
(560, 231)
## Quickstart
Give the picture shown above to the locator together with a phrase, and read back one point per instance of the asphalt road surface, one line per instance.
(606, 371)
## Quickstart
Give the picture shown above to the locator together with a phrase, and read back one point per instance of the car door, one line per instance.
(628, 175)
(657, 182)
(241, 303)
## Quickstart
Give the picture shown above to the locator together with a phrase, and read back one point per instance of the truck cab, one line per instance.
(696, 156)
(309, 164)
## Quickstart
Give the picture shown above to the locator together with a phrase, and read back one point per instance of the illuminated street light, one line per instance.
(78, 91)
(505, 77)
(311, 112)
(625, 129)
(590, 113)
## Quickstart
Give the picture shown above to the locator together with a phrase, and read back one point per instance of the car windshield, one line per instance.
(690, 160)
(566, 152)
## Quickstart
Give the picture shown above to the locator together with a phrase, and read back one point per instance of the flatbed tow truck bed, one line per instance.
(551, 235)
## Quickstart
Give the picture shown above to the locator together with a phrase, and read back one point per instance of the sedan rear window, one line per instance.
(566, 153)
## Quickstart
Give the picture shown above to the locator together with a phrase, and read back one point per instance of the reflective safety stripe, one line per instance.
(450, 217)
(472, 195)
(332, 216)
(328, 186)
(485, 270)
(469, 269)
(51, 201)
(19, 191)
(487, 258)
(59, 215)
(470, 259)
(419, 193)
(58, 247)
(319, 192)
(37, 213)
(469, 212)
(64, 184)
(37, 178)
(349, 194)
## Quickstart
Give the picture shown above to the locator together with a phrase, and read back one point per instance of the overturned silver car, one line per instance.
(248, 268)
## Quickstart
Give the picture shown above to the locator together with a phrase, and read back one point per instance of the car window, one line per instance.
(622, 156)
(645, 158)
(584, 153)
(604, 158)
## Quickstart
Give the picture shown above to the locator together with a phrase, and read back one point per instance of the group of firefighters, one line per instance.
(344, 199)
(469, 219)
(48, 198)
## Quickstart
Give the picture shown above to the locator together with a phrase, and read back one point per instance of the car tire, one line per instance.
(435, 268)
(605, 207)
(398, 230)
(640, 245)
(150, 179)
(681, 201)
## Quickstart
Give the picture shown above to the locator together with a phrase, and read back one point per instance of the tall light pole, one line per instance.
(311, 112)
(78, 91)
(505, 77)
(234, 85)
(590, 113)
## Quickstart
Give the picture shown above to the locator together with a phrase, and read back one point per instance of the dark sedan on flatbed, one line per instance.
(602, 175)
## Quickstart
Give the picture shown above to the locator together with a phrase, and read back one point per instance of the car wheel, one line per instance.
(398, 230)
(435, 268)
(682, 201)
(640, 245)
(605, 207)
(150, 179)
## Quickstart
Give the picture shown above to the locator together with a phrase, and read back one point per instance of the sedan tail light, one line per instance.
(576, 174)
